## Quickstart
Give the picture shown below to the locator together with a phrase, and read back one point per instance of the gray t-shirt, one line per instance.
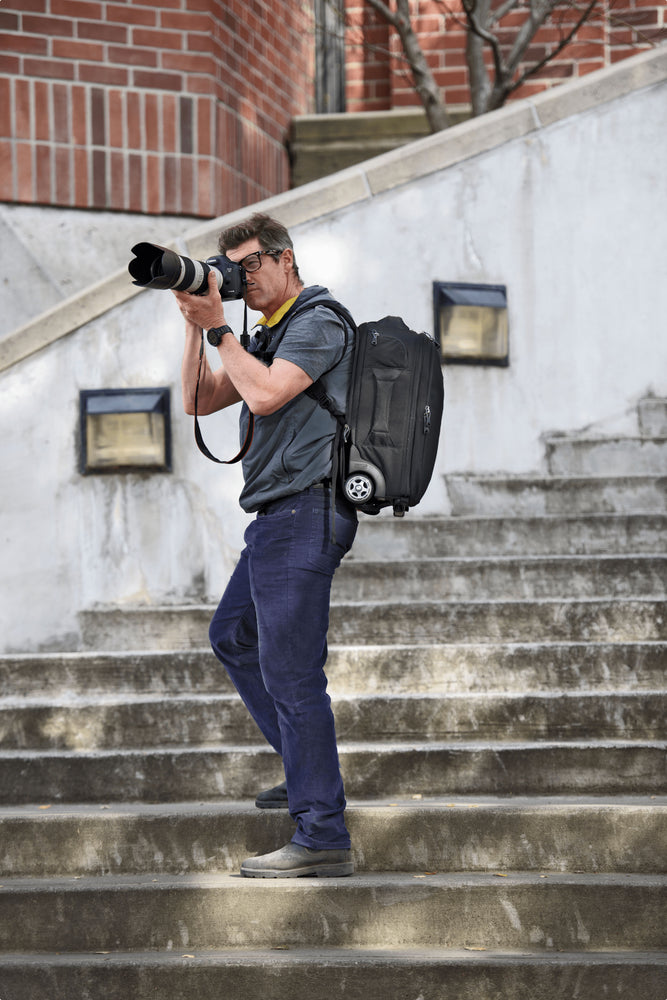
(292, 448)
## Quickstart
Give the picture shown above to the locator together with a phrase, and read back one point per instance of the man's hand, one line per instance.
(203, 311)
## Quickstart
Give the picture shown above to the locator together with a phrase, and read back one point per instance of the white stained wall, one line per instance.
(572, 220)
(570, 217)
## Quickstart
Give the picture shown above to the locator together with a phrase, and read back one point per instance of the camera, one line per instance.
(157, 267)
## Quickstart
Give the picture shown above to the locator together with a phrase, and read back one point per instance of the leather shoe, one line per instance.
(294, 861)
(273, 798)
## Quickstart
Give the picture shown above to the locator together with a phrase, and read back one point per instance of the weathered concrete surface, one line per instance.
(517, 911)
(282, 973)
(428, 667)
(415, 833)
(371, 769)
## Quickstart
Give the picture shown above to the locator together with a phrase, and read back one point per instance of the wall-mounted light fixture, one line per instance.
(125, 430)
(471, 323)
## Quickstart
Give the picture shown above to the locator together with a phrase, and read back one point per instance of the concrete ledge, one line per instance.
(66, 317)
(362, 182)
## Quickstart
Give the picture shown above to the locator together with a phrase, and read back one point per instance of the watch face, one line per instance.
(216, 333)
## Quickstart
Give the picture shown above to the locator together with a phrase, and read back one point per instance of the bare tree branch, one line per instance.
(539, 11)
(481, 32)
(425, 84)
(559, 48)
(499, 13)
(480, 19)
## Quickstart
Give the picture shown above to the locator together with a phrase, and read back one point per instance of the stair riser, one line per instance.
(464, 836)
(593, 621)
(495, 496)
(284, 977)
(429, 912)
(213, 774)
(382, 538)
(352, 669)
(440, 718)
(534, 579)
(382, 624)
(609, 457)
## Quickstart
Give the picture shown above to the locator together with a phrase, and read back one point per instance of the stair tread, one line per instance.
(107, 700)
(330, 956)
(364, 881)
(370, 746)
(442, 803)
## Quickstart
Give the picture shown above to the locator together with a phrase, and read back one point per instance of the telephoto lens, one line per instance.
(158, 267)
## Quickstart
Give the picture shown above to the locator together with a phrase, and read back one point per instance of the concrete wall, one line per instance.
(561, 198)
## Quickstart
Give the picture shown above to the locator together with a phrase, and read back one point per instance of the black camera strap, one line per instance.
(245, 341)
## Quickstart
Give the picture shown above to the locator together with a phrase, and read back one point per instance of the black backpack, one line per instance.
(387, 440)
(391, 426)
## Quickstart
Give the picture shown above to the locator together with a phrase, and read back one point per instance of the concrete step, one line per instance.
(186, 627)
(351, 669)
(550, 834)
(145, 721)
(510, 621)
(609, 456)
(513, 910)
(506, 578)
(427, 537)
(652, 414)
(370, 769)
(536, 496)
(283, 973)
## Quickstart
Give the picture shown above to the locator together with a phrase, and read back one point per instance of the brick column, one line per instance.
(150, 108)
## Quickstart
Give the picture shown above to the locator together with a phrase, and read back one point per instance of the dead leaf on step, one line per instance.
(280, 947)
(500, 874)
(473, 949)
(44, 807)
(102, 952)
(187, 956)
(418, 796)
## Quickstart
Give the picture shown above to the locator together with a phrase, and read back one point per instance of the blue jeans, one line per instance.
(270, 634)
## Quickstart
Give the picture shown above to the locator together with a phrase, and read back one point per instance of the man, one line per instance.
(270, 628)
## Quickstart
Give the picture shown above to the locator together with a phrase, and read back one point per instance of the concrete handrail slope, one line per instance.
(359, 183)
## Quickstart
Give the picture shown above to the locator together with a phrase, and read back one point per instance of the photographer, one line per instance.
(270, 628)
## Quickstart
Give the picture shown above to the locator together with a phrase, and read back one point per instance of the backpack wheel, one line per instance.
(359, 488)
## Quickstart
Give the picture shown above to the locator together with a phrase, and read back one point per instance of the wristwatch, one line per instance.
(216, 333)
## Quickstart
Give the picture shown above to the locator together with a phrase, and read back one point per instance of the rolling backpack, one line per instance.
(387, 440)
(390, 430)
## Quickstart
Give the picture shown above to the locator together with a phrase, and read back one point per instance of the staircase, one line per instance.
(498, 679)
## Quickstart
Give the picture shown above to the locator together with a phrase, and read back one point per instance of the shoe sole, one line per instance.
(337, 870)
(272, 804)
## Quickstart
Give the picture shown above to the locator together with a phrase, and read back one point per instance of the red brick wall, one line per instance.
(161, 106)
(378, 77)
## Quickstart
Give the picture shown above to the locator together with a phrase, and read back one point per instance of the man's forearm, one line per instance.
(215, 389)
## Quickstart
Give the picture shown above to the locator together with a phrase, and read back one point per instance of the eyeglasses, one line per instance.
(253, 261)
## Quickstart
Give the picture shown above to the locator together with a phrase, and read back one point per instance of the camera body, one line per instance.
(157, 267)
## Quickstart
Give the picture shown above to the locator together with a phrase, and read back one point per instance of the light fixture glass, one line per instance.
(125, 430)
(471, 323)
